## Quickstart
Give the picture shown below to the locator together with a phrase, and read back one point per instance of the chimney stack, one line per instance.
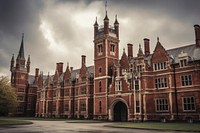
(36, 75)
(197, 35)
(146, 47)
(83, 60)
(130, 50)
(60, 68)
(71, 68)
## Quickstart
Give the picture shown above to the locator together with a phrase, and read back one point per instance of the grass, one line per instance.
(85, 121)
(161, 126)
(35, 118)
(8, 122)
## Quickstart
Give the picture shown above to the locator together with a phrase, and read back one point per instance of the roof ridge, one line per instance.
(180, 47)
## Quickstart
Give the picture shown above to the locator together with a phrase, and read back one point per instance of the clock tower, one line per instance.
(106, 55)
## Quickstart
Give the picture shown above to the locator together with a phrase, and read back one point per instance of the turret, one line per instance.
(106, 24)
(116, 25)
(140, 52)
(95, 28)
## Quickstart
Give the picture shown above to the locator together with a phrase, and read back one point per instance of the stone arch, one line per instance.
(118, 110)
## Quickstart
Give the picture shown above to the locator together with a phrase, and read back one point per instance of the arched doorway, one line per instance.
(120, 112)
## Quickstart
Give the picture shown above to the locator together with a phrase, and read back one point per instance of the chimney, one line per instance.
(71, 68)
(197, 35)
(146, 47)
(130, 50)
(36, 75)
(60, 68)
(83, 60)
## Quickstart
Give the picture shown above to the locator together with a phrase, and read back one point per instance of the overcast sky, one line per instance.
(62, 30)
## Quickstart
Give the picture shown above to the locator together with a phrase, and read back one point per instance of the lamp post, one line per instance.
(175, 89)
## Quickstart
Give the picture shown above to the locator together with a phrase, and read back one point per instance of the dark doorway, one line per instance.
(120, 112)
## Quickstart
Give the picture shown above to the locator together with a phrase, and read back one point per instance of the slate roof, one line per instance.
(74, 73)
(192, 51)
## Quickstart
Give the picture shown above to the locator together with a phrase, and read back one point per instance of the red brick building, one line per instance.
(159, 85)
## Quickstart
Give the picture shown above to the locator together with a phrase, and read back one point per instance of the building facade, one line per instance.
(159, 85)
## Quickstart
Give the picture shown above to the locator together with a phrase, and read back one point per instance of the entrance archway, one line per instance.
(120, 112)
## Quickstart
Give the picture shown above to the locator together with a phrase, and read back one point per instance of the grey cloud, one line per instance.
(171, 20)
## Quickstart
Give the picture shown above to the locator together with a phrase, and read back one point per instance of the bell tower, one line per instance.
(106, 54)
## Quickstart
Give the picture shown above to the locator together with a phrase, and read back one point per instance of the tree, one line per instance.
(8, 98)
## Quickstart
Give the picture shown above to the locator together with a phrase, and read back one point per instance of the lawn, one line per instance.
(7, 122)
(161, 126)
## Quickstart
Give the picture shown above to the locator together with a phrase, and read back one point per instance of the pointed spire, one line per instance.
(28, 64)
(157, 39)
(106, 17)
(12, 60)
(96, 23)
(21, 50)
(67, 65)
(28, 61)
(140, 52)
(116, 22)
(124, 50)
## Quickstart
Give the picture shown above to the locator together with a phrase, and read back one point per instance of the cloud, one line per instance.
(62, 30)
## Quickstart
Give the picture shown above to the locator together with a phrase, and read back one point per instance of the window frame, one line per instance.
(100, 49)
(162, 105)
(186, 80)
(161, 82)
(118, 85)
(190, 106)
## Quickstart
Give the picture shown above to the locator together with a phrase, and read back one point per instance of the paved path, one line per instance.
(63, 127)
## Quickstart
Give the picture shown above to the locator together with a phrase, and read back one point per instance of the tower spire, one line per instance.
(21, 50)
(106, 7)
(106, 15)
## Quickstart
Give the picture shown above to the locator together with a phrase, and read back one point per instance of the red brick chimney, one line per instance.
(130, 50)
(60, 68)
(197, 35)
(83, 60)
(36, 75)
(71, 68)
(146, 47)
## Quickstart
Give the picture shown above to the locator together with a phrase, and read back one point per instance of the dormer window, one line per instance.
(183, 59)
(100, 49)
(183, 63)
